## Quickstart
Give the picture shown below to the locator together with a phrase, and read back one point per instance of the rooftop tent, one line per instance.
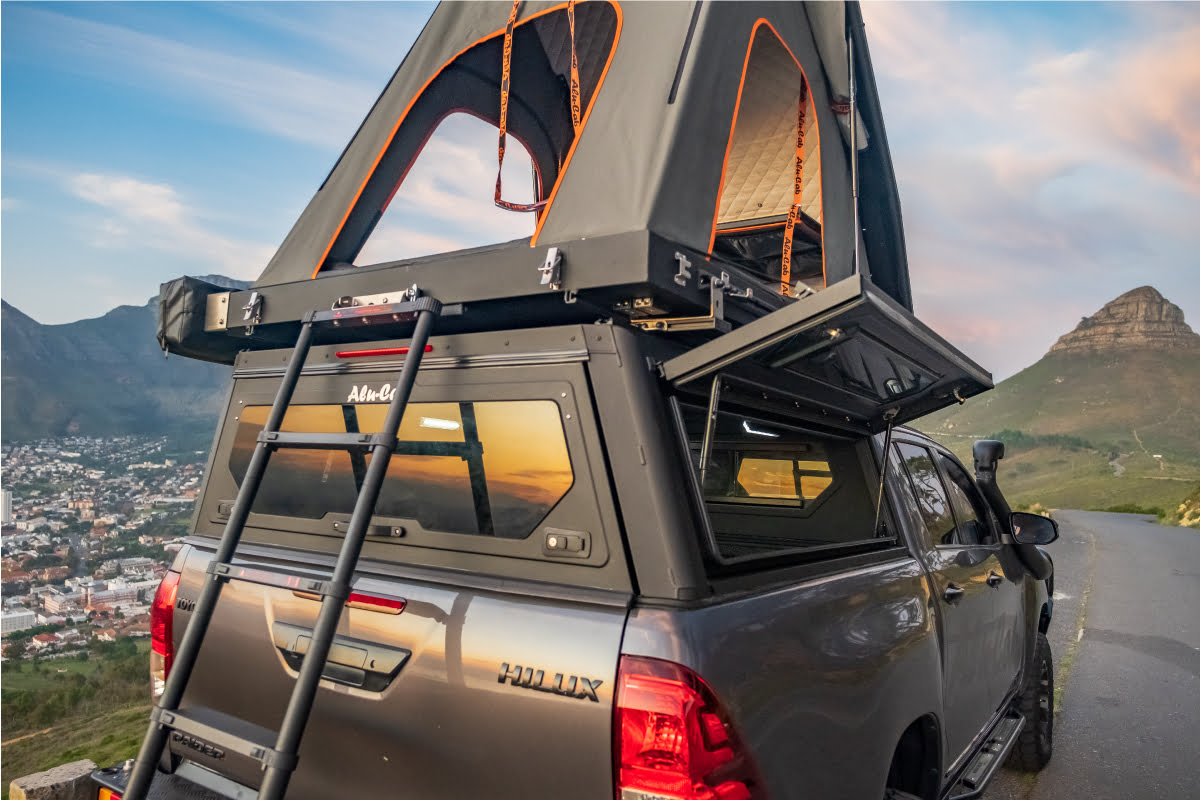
(685, 131)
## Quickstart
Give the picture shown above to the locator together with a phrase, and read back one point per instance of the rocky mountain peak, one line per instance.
(1141, 319)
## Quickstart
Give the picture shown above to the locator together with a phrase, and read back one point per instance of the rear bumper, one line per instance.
(166, 787)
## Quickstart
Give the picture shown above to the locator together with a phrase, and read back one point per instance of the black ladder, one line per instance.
(277, 752)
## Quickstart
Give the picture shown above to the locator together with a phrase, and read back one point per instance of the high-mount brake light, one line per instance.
(674, 741)
(162, 643)
(367, 602)
(370, 602)
(378, 351)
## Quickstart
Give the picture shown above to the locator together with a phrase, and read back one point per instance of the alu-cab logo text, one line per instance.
(365, 394)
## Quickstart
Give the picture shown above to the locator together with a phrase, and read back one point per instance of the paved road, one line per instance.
(1126, 639)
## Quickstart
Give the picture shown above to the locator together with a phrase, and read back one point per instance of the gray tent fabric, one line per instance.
(828, 20)
(658, 120)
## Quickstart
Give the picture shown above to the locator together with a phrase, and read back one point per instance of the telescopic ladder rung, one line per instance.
(279, 761)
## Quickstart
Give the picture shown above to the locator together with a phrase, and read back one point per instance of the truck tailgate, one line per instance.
(503, 689)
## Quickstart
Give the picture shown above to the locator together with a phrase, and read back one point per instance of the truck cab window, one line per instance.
(931, 497)
(972, 514)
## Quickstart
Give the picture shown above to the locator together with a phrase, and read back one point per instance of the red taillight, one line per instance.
(673, 739)
(162, 611)
(379, 351)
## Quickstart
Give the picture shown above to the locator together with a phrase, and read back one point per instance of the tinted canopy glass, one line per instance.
(484, 468)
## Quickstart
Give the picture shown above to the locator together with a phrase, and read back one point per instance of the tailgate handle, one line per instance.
(352, 662)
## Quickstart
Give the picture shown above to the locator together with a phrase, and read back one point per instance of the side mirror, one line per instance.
(1033, 528)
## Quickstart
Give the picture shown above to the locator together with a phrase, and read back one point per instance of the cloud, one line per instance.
(152, 216)
(1039, 179)
(282, 100)
(374, 35)
(1137, 102)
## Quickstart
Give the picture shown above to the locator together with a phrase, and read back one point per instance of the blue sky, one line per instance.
(1048, 154)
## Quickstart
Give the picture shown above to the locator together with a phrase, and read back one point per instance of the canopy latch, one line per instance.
(253, 312)
(551, 269)
(685, 269)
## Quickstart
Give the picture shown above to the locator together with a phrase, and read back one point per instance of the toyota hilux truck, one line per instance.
(587, 577)
(624, 507)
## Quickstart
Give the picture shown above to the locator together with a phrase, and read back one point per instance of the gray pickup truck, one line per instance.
(620, 509)
(586, 579)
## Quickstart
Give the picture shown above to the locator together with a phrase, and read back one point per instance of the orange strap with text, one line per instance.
(785, 272)
(575, 100)
(506, 85)
(505, 81)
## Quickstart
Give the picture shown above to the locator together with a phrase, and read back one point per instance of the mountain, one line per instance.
(1109, 416)
(102, 377)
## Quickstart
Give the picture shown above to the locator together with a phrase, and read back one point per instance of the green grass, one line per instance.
(1061, 477)
(1134, 402)
(1134, 508)
(105, 739)
(95, 707)
(28, 676)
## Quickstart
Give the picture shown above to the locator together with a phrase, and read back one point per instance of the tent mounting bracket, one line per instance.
(718, 286)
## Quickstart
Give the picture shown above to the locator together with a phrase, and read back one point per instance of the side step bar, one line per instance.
(983, 766)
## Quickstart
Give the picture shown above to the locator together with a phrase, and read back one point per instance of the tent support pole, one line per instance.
(853, 145)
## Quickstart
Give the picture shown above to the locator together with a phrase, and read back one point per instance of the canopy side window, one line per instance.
(772, 487)
(434, 204)
(758, 186)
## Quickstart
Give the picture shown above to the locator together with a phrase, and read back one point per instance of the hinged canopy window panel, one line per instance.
(850, 354)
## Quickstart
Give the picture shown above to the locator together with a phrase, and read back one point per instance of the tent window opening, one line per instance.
(763, 182)
(451, 180)
(433, 188)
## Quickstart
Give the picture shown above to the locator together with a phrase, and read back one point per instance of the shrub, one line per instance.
(1134, 508)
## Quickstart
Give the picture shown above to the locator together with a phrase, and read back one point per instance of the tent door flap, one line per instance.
(849, 350)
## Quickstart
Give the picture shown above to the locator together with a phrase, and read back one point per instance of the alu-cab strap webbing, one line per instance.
(505, 87)
(505, 81)
(785, 272)
(575, 99)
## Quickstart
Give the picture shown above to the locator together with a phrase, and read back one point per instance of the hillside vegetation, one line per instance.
(1187, 513)
(57, 710)
(1131, 402)
(1084, 430)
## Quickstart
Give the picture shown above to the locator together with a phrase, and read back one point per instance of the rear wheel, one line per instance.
(1036, 704)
